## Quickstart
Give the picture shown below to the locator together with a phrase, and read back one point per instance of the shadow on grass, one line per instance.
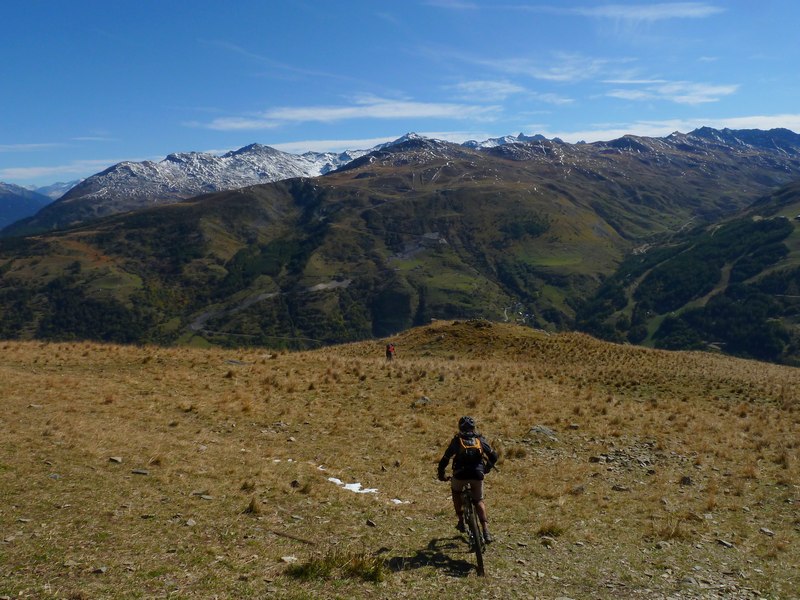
(435, 555)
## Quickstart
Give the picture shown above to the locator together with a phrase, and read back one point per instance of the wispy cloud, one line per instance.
(289, 71)
(453, 4)
(74, 169)
(651, 12)
(562, 67)
(630, 94)
(492, 91)
(643, 12)
(634, 81)
(367, 107)
(253, 123)
(93, 138)
(378, 108)
(40, 147)
(498, 91)
(680, 92)
(29, 147)
(550, 98)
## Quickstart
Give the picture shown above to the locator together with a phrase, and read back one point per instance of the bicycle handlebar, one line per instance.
(449, 477)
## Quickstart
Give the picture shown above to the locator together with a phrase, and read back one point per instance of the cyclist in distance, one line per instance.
(473, 458)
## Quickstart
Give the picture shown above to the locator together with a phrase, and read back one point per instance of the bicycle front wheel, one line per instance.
(477, 539)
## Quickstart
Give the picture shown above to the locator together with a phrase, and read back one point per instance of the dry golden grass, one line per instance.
(657, 459)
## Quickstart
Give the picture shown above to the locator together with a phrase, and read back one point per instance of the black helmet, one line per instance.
(466, 424)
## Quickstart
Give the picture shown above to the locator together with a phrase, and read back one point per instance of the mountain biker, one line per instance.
(468, 467)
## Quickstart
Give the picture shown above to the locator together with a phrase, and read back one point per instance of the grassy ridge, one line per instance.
(661, 461)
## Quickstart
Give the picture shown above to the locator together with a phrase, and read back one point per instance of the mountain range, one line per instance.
(554, 235)
(129, 186)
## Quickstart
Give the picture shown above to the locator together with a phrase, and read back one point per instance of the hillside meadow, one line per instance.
(625, 472)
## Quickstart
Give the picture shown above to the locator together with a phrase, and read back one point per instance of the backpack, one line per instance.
(470, 451)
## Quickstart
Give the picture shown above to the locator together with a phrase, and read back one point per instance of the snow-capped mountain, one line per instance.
(188, 174)
(129, 186)
(56, 190)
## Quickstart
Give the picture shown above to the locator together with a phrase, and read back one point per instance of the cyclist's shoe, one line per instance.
(460, 526)
(487, 537)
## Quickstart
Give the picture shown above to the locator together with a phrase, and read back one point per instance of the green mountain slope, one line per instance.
(733, 286)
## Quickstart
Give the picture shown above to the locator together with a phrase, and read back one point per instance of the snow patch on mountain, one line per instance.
(187, 174)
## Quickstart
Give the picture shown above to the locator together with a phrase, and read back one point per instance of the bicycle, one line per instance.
(472, 528)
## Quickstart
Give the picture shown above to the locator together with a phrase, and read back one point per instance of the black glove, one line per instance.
(441, 476)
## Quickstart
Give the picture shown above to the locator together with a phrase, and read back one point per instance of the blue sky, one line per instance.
(85, 84)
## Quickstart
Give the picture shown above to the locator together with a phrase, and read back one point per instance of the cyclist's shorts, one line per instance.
(476, 487)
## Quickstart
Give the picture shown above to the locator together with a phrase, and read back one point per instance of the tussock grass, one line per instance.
(672, 527)
(340, 564)
(234, 467)
(550, 529)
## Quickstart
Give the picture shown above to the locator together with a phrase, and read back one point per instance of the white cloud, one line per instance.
(237, 124)
(367, 107)
(679, 92)
(550, 98)
(28, 147)
(93, 138)
(631, 94)
(373, 108)
(651, 12)
(78, 168)
(695, 93)
(634, 81)
(561, 67)
(497, 91)
(488, 90)
(453, 4)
